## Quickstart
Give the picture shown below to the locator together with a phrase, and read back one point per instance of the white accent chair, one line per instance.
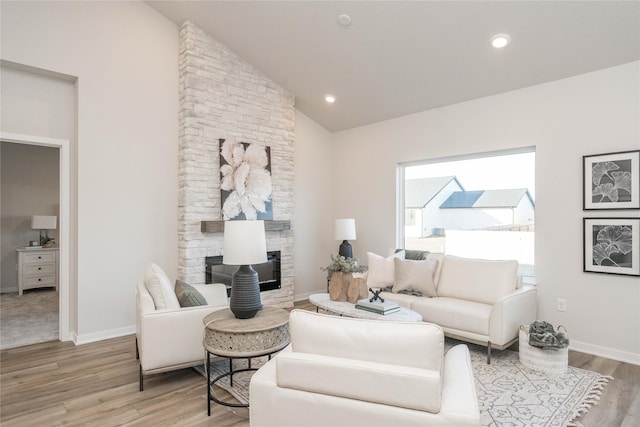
(171, 338)
(341, 371)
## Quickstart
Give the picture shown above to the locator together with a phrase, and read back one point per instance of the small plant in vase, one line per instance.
(340, 275)
(47, 242)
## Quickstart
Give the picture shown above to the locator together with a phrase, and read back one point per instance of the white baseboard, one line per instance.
(609, 353)
(104, 335)
(305, 296)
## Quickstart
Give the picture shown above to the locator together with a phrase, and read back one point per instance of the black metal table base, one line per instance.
(229, 374)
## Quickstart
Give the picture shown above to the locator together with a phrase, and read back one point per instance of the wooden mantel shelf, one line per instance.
(218, 226)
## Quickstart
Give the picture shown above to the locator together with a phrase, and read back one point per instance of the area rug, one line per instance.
(29, 318)
(509, 394)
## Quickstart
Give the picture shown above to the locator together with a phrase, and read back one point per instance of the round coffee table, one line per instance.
(345, 308)
(226, 336)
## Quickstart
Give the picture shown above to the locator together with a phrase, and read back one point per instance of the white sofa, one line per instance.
(341, 371)
(474, 300)
(170, 337)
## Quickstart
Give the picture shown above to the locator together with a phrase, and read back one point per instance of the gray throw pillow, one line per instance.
(414, 254)
(188, 296)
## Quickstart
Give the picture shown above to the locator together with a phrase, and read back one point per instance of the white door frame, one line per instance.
(65, 224)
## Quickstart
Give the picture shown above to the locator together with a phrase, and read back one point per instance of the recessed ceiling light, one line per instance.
(344, 20)
(330, 99)
(500, 40)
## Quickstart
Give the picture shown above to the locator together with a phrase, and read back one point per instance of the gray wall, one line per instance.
(29, 186)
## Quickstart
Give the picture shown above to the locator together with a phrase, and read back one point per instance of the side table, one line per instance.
(226, 336)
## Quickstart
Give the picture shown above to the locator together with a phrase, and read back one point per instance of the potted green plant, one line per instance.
(47, 242)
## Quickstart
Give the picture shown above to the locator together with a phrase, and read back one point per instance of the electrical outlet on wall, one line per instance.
(562, 304)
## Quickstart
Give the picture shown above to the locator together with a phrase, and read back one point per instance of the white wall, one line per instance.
(312, 214)
(566, 119)
(124, 56)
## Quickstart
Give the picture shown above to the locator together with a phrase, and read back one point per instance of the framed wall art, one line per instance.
(612, 245)
(245, 181)
(611, 181)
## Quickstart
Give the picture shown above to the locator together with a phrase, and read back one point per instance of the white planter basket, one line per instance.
(551, 361)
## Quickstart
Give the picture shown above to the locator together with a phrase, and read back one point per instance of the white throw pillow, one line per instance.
(440, 258)
(381, 269)
(160, 288)
(416, 276)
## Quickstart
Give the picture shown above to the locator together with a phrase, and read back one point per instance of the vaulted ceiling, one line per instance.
(402, 57)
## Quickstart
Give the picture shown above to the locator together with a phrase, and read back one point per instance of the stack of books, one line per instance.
(378, 307)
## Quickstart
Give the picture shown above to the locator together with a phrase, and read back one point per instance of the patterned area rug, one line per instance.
(509, 394)
(241, 380)
(28, 319)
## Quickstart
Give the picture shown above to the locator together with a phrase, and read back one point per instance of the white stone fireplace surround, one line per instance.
(222, 96)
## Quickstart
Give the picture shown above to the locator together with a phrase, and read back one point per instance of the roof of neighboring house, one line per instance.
(487, 199)
(461, 199)
(419, 192)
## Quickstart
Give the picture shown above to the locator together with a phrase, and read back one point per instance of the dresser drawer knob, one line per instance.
(39, 280)
(39, 257)
(39, 268)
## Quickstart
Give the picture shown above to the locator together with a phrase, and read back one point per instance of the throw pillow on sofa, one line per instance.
(381, 270)
(187, 295)
(159, 286)
(415, 276)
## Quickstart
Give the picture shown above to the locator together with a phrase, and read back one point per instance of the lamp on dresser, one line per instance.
(44, 222)
(345, 231)
(244, 244)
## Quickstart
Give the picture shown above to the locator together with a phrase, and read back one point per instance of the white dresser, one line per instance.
(37, 268)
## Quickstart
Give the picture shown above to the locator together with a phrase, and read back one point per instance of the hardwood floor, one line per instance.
(56, 383)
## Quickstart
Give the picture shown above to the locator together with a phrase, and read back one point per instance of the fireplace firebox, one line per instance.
(268, 272)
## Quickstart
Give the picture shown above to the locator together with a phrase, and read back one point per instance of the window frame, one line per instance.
(401, 176)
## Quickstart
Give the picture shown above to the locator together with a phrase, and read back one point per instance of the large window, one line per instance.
(476, 206)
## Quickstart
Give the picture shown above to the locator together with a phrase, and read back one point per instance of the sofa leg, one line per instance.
(488, 352)
(137, 351)
(141, 383)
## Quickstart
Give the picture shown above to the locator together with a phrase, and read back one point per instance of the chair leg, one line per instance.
(488, 352)
(141, 381)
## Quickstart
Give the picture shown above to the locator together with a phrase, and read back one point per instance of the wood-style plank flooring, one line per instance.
(96, 384)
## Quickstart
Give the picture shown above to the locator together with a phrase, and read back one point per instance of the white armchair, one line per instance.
(171, 338)
(342, 371)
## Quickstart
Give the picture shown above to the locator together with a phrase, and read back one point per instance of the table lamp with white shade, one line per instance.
(244, 244)
(43, 223)
(345, 231)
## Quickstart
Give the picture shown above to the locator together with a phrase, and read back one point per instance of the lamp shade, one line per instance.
(43, 222)
(244, 243)
(345, 229)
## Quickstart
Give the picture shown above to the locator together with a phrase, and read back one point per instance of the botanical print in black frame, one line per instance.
(611, 181)
(245, 181)
(612, 245)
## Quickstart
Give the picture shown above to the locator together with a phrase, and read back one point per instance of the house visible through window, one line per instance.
(477, 206)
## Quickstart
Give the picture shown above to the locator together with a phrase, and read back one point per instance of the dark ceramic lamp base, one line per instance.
(345, 249)
(245, 293)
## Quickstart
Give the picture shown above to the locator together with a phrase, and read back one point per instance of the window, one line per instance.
(476, 206)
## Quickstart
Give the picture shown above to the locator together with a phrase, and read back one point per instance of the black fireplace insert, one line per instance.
(268, 272)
